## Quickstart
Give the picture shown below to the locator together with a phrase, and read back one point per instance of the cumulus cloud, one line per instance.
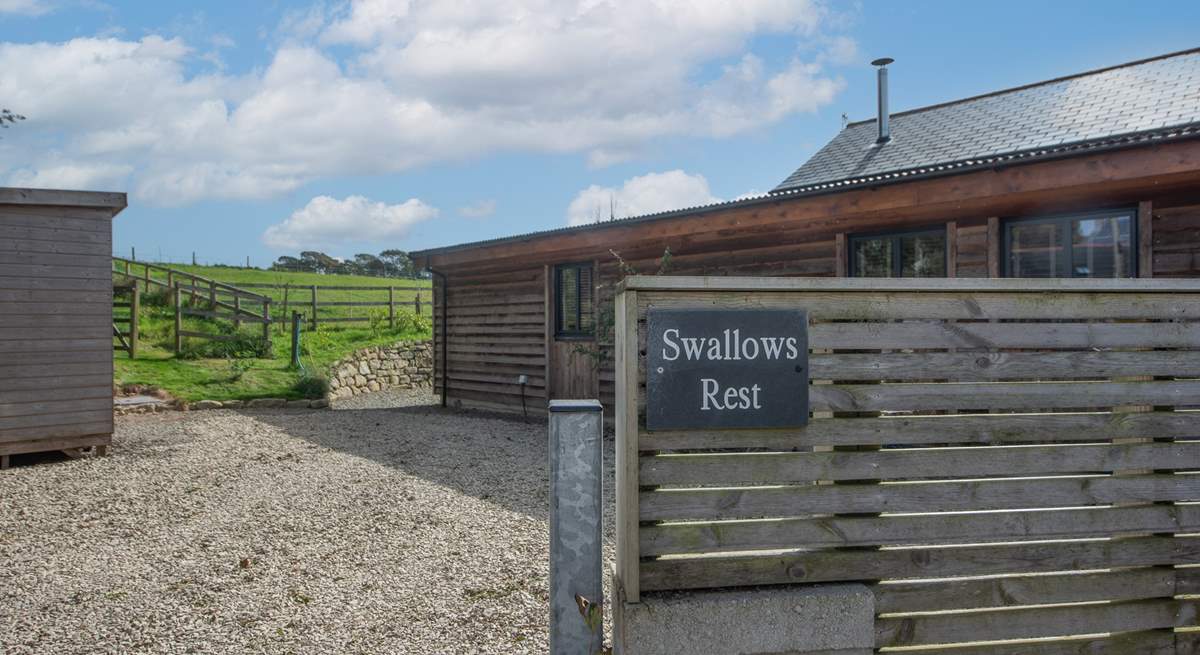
(481, 209)
(384, 86)
(326, 222)
(645, 194)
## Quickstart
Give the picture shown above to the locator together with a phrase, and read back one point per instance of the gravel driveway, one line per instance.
(368, 529)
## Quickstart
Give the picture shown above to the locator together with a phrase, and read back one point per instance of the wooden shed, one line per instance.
(56, 352)
(1091, 175)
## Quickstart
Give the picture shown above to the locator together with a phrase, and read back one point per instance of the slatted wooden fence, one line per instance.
(1010, 464)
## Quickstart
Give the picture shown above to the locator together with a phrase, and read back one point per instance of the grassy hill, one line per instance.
(220, 371)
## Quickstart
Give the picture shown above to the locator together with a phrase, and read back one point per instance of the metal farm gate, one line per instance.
(1011, 464)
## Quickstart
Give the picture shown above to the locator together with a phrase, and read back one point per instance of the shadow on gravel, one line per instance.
(493, 457)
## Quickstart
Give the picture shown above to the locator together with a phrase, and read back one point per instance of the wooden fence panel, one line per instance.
(983, 449)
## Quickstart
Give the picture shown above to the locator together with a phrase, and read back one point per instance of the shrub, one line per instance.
(312, 386)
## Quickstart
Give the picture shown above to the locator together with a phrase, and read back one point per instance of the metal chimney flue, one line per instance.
(885, 129)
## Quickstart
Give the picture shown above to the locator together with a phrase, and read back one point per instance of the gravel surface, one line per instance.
(386, 526)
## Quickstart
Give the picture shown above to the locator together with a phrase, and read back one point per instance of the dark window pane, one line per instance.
(575, 300)
(1034, 250)
(872, 257)
(1100, 247)
(568, 300)
(923, 255)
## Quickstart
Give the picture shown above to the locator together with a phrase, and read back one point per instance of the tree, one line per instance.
(318, 262)
(286, 263)
(9, 118)
(399, 264)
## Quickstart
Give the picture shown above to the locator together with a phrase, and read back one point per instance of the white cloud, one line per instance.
(25, 7)
(72, 176)
(481, 209)
(327, 221)
(645, 194)
(386, 86)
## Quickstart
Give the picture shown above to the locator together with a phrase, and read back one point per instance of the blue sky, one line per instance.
(255, 129)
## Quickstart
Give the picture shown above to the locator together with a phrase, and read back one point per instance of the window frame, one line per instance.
(1063, 222)
(573, 335)
(895, 236)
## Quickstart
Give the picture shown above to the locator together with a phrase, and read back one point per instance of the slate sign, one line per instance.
(726, 368)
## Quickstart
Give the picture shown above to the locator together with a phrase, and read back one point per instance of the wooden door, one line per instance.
(572, 370)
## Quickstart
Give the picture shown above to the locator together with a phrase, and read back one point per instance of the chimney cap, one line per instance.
(882, 61)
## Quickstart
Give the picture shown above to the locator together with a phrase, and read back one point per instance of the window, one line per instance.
(573, 301)
(902, 254)
(1098, 244)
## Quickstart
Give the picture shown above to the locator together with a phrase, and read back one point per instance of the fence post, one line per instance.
(285, 301)
(392, 307)
(314, 307)
(266, 326)
(417, 304)
(296, 318)
(178, 317)
(576, 506)
(212, 296)
(134, 308)
(237, 311)
(146, 277)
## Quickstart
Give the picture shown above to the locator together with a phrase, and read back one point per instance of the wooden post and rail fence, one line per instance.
(307, 297)
(1010, 461)
(198, 296)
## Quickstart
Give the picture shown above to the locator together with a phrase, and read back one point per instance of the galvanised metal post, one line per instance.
(576, 539)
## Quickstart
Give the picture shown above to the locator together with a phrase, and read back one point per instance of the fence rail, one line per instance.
(1026, 450)
(326, 303)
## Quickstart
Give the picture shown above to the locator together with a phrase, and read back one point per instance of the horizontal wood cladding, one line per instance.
(55, 327)
(1176, 241)
(496, 333)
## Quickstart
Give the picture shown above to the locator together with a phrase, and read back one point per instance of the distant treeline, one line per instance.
(389, 263)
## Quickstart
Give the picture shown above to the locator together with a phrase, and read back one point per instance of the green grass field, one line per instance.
(219, 371)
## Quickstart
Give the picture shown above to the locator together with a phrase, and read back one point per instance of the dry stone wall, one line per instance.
(406, 365)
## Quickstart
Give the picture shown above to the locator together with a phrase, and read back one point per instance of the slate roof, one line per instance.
(1064, 114)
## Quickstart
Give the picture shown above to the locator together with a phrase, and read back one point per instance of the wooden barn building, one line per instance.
(1091, 175)
(56, 348)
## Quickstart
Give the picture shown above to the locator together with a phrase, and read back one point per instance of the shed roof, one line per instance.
(1120, 101)
(60, 198)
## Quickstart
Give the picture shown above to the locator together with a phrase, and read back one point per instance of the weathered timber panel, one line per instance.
(496, 333)
(55, 327)
(1004, 471)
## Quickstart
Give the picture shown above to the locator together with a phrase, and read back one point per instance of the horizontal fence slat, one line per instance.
(895, 530)
(745, 502)
(1036, 622)
(916, 463)
(1154, 642)
(997, 366)
(921, 396)
(214, 337)
(941, 595)
(938, 335)
(899, 564)
(943, 305)
(915, 430)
